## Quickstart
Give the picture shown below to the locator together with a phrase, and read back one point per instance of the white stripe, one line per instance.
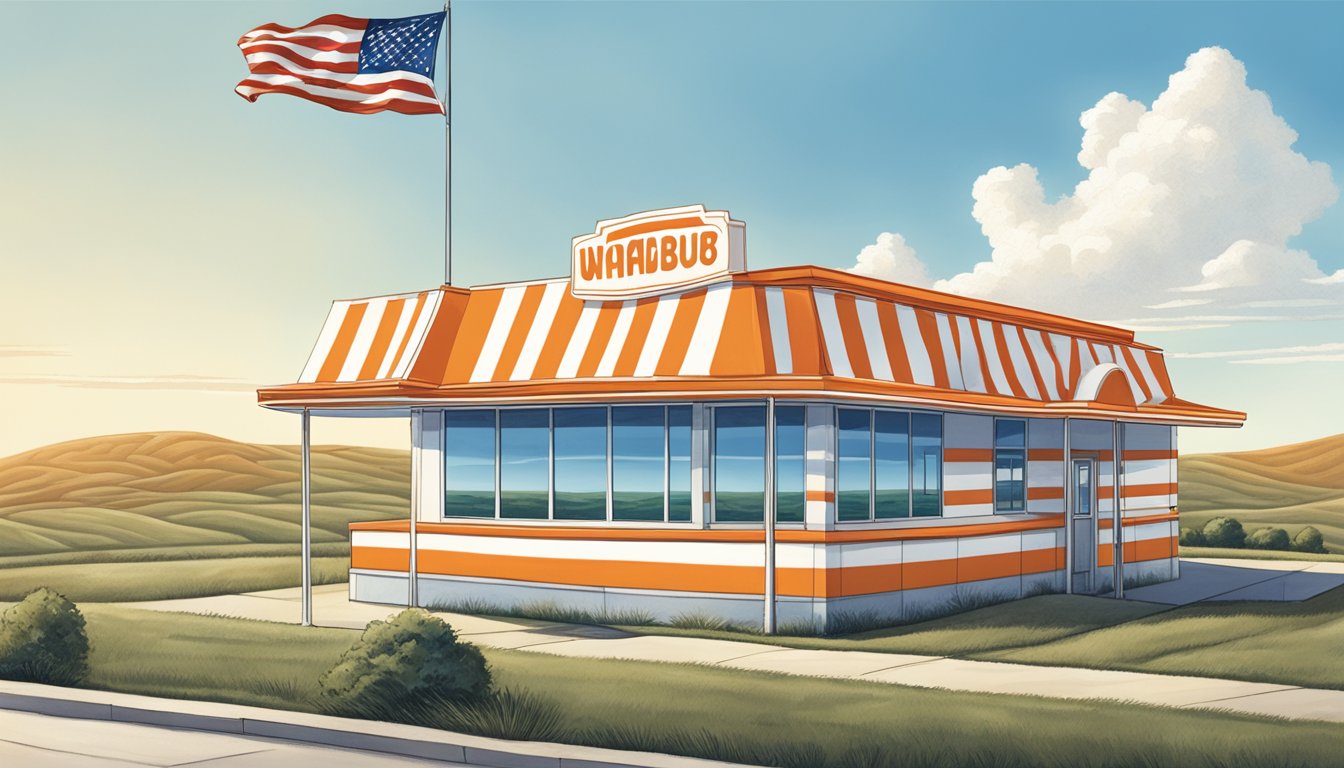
(338, 93)
(657, 335)
(831, 333)
(1044, 364)
(1021, 365)
(500, 325)
(1134, 387)
(616, 342)
(708, 327)
(312, 54)
(399, 333)
(330, 329)
(996, 372)
(296, 69)
(1102, 353)
(536, 335)
(330, 31)
(578, 342)
(949, 351)
(971, 374)
(921, 369)
(1146, 368)
(778, 316)
(1061, 346)
(417, 337)
(873, 339)
(359, 348)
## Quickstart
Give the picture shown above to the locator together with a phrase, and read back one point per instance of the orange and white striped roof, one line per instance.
(780, 330)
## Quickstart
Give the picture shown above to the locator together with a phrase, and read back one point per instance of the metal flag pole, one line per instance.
(447, 143)
(770, 619)
(306, 610)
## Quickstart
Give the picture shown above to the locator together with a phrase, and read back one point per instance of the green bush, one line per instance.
(406, 661)
(1192, 537)
(42, 640)
(1268, 538)
(1309, 540)
(1225, 532)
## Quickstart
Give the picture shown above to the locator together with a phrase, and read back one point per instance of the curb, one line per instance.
(325, 730)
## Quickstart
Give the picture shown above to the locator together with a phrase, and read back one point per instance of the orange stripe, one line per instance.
(1006, 360)
(382, 339)
(1033, 370)
(636, 337)
(1041, 493)
(471, 334)
(1148, 489)
(976, 496)
(1133, 366)
(1075, 362)
(982, 567)
(597, 343)
(739, 349)
(557, 338)
(655, 226)
(345, 338)
(1061, 386)
(820, 496)
(1137, 455)
(928, 332)
(1159, 365)
(440, 336)
(968, 454)
(804, 343)
(896, 353)
(679, 335)
(767, 342)
(521, 324)
(980, 347)
(1045, 454)
(852, 333)
(420, 302)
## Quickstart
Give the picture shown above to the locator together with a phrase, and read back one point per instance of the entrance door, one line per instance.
(1084, 490)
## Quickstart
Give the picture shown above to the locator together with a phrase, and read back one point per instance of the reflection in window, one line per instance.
(926, 446)
(854, 464)
(739, 464)
(637, 463)
(524, 463)
(790, 468)
(1010, 465)
(469, 463)
(891, 464)
(679, 463)
(580, 463)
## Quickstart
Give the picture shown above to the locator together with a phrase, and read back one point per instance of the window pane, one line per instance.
(1010, 486)
(854, 464)
(927, 454)
(891, 469)
(679, 463)
(1010, 433)
(469, 463)
(524, 463)
(739, 464)
(790, 470)
(580, 463)
(637, 463)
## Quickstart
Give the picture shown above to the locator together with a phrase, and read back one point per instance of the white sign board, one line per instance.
(656, 252)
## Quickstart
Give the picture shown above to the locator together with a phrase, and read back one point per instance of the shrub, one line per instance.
(407, 660)
(1225, 532)
(1268, 538)
(1309, 540)
(42, 640)
(1192, 537)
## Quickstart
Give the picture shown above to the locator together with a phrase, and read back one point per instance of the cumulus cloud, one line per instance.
(891, 258)
(1188, 202)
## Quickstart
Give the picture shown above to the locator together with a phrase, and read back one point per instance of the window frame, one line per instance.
(872, 464)
(994, 464)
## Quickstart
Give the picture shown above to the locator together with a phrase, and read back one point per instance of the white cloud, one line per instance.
(1293, 350)
(891, 258)
(1197, 194)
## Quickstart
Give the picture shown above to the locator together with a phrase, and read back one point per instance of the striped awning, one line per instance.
(775, 330)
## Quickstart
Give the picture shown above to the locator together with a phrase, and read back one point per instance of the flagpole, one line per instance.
(447, 142)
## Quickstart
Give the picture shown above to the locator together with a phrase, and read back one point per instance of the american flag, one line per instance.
(354, 65)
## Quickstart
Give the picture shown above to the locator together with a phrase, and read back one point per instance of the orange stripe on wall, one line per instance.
(382, 339)
(679, 335)
(1134, 455)
(977, 496)
(521, 326)
(558, 337)
(820, 496)
(471, 334)
(597, 343)
(1006, 360)
(928, 332)
(636, 337)
(968, 454)
(804, 344)
(852, 333)
(1034, 372)
(896, 352)
(345, 338)
(1043, 492)
(739, 349)
(1045, 454)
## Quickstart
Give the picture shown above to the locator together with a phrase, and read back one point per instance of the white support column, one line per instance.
(412, 569)
(769, 594)
(1068, 511)
(1117, 515)
(306, 546)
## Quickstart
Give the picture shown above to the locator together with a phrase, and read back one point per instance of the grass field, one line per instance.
(719, 714)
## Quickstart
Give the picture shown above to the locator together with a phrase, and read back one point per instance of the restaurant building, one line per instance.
(667, 432)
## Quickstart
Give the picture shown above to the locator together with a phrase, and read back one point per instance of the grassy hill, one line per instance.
(1289, 486)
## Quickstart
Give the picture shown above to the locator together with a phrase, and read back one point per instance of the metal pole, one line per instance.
(770, 618)
(413, 566)
(1069, 489)
(447, 143)
(1117, 532)
(306, 611)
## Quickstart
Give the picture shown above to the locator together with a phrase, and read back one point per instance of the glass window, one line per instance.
(679, 498)
(926, 447)
(739, 464)
(891, 464)
(580, 463)
(637, 454)
(1010, 465)
(790, 468)
(469, 463)
(854, 464)
(524, 463)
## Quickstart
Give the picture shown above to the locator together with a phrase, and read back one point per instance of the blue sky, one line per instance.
(158, 226)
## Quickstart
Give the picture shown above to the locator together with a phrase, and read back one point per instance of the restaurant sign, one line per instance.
(657, 251)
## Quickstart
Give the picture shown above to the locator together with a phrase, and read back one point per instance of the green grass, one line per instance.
(731, 715)
(1261, 554)
(104, 582)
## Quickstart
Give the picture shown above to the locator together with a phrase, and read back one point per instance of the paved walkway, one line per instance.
(1219, 579)
(332, 608)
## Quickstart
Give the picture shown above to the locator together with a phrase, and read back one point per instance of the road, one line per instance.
(40, 741)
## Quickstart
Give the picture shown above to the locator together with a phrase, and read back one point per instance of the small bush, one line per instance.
(1225, 532)
(1309, 540)
(1268, 538)
(1192, 537)
(409, 659)
(42, 640)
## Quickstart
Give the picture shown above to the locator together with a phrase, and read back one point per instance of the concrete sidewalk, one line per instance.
(1225, 579)
(331, 607)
